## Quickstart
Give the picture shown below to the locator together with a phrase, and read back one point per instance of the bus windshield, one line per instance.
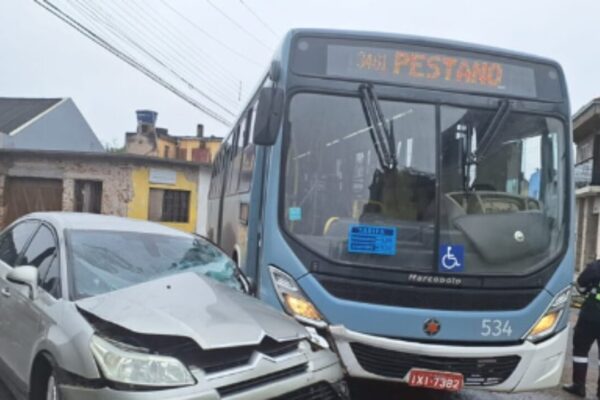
(482, 182)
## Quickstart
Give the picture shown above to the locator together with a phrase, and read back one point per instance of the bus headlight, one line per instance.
(293, 299)
(547, 324)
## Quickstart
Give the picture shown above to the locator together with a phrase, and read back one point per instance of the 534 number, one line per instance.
(495, 328)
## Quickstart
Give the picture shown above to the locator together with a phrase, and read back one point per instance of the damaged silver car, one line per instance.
(95, 307)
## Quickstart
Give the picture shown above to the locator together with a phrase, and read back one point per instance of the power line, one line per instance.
(180, 55)
(56, 11)
(210, 36)
(99, 17)
(240, 26)
(161, 59)
(258, 18)
(198, 53)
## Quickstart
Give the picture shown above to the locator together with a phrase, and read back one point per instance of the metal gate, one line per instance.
(25, 195)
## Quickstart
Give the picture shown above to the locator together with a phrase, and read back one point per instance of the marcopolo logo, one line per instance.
(435, 280)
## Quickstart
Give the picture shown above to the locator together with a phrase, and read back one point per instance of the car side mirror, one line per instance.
(268, 116)
(25, 275)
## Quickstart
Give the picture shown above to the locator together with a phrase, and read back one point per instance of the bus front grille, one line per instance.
(476, 371)
(436, 298)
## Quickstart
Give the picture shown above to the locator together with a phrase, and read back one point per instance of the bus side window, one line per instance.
(220, 169)
(215, 177)
(247, 125)
(248, 152)
(237, 162)
(234, 153)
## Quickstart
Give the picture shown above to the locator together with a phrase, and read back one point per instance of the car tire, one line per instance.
(51, 388)
(43, 382)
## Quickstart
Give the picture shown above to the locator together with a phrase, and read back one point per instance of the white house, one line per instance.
(45, 124)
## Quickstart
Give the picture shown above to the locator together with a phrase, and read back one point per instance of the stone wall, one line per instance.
(117, 190)
(2, 206)
(115, 176)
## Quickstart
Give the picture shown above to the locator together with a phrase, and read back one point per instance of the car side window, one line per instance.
(14, 240)
(50, 276)
(41, 249)
(42, 253)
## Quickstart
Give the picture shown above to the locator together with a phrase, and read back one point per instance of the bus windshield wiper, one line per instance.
(472, 156)
(487, 139)
(381, 135)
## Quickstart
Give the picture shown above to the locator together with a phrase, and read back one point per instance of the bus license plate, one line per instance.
(439, 380)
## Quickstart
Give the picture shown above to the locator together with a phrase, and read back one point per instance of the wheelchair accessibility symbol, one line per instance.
(452, 258)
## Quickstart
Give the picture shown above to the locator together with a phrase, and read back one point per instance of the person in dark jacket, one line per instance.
(587, 330)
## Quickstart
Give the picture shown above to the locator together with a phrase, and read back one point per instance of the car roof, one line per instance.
(85, 221)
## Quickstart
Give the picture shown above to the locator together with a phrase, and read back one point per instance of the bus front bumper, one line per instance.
(540, 365)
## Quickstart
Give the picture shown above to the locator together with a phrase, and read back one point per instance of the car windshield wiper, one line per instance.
(381, 135)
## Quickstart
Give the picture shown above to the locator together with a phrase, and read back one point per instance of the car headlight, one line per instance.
(547, 324)
(293, 299)
(122, 365)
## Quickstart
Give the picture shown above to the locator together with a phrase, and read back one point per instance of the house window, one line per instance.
(181, 154)
(88, 196)
(166, 152)
(169, 205)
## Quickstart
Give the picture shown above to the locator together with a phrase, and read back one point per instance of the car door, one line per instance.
(31, 319)
(12, 243)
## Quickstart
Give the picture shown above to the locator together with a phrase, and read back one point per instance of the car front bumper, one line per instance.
(323, 367)
(540, 365)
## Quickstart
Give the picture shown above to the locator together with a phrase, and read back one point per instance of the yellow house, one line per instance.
(150, 140)
(126, 185)
(167, 194)
(175, 192)
(197, 149)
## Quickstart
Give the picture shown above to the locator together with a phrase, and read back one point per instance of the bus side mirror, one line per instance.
(268, 116)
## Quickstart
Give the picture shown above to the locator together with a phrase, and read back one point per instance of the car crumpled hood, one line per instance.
(193, 306)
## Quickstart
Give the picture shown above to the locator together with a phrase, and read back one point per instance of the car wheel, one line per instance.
(52, 389)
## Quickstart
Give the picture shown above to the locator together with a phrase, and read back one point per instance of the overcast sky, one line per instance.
(41, 56)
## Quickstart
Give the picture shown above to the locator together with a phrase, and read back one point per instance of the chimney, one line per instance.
(146, 120)
(200, 130)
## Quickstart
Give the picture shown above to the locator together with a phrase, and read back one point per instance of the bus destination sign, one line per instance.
(417, 67)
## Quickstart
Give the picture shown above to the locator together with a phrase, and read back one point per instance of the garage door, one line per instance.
(25, 195)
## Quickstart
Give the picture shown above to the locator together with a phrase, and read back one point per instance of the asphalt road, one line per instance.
(380, 391)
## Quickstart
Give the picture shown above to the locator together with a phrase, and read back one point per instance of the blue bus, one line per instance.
(410, 199)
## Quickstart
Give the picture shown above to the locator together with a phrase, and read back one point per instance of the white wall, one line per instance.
(63, 127)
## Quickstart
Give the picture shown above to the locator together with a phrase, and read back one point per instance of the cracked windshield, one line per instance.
(104, 261)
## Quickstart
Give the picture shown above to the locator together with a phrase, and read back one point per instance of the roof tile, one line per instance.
(15, 112)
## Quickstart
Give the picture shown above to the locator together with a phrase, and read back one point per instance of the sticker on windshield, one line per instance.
(295, 213)
(366, 239)
(452, 258)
